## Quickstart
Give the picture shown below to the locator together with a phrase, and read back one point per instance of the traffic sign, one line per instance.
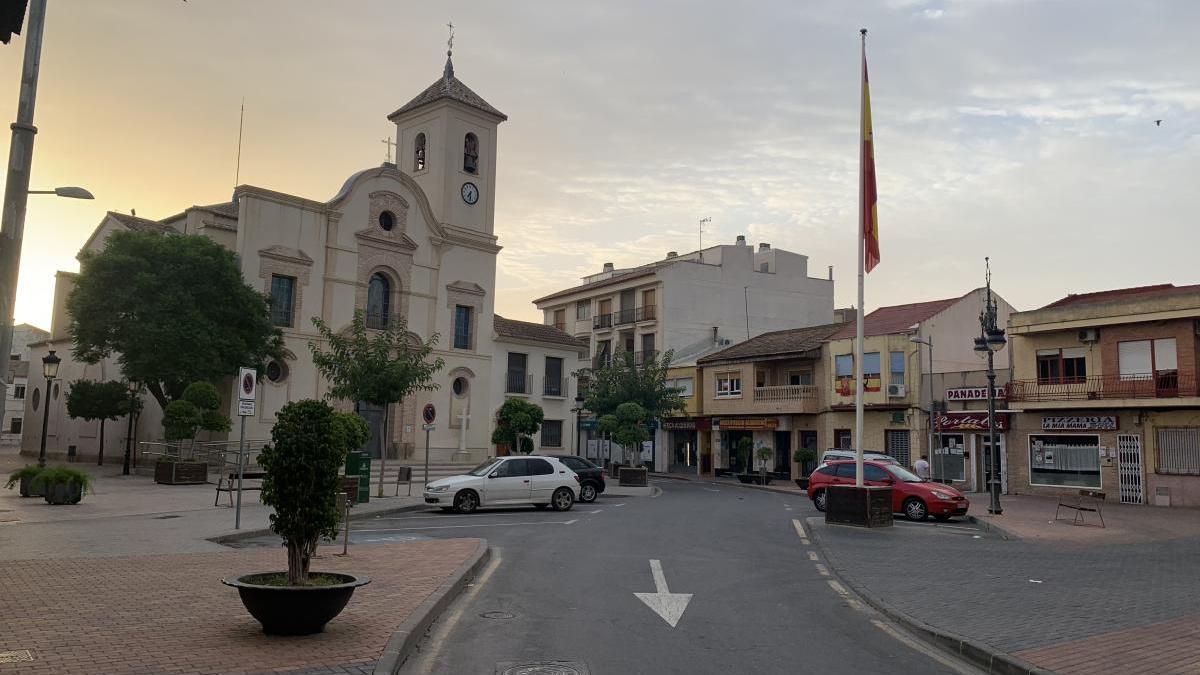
(248, 389)
(428, 427)
(428, 413)
(246, 408)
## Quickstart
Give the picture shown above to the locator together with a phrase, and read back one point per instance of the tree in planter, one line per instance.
(802, 457)
(380, 368)
(627, 380)
(308, 446)
(626, 426)
(516, 421)
(765, 453)
(174, 309)
(199, 409)
(745, 450)
(90, 400)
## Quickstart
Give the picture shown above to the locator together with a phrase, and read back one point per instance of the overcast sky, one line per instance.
(1020, 130)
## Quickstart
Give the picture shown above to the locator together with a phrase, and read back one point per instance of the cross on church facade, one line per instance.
(390, 144)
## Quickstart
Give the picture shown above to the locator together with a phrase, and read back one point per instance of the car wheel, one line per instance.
(819, 500)
(563, 499)
(466, 501)
(914, 509)
(587, 493)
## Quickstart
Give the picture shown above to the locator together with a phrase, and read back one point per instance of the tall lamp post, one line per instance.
(929, 343)
(133, 391)
(991, 340)
(50, 363)
(578, 410)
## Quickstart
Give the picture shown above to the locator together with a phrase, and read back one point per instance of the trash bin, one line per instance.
(359, 464)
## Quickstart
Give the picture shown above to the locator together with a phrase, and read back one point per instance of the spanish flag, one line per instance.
(866, 192)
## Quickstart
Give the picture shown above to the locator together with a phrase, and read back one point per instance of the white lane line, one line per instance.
(812, 555)
(621, 504)
(571, 522)
(711, 490)
(837, 586)
(424, 661)
(595, 512)
(822, 570)
(799, 529)
(926, 649)
(455, 527)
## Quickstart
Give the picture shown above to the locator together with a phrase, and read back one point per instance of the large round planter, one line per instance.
(295, 610)
(63, 493)
(28, 490)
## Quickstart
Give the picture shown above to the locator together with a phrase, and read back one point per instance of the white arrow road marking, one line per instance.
(666, 604)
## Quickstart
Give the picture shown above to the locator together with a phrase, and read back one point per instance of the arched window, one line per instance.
(471, 154)
(419, 153)
(379, 300)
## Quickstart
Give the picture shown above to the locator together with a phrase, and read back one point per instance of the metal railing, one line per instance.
(1162, 384)
(629, 358)
(622, 317)
(554, 386)
(379, 320)
(517, 382)
(785, 392)
(601, 321)
(219, 455)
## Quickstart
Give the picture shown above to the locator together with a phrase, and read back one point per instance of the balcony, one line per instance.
(631, 358)
(785, 392)
(554, 386)
(517, 382)
(1159, 385)
(781, 399)
(625, 316)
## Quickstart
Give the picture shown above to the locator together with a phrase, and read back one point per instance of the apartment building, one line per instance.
(1104, 385)
(17, 381)
(718, 294)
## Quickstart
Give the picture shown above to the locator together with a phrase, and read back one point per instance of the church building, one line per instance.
(412, 239)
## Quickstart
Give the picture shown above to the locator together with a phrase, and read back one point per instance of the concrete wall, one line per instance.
(553, 407)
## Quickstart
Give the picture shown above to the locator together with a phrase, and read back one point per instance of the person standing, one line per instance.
(921, 467)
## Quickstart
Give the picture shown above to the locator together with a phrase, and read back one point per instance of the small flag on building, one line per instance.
(870, 219)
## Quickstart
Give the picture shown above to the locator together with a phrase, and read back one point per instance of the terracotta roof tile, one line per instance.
(450, 87)
(538, 332)
(895, 319)
(140, 224)
(1156, 290)
(776, 343)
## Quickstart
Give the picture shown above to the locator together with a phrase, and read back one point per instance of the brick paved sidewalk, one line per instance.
(171, 614)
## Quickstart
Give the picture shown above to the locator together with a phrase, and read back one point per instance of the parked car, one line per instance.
(834, 454)
(912, 495)
(502, 481)
(591, 477)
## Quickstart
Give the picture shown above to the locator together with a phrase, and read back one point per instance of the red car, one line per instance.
(912, 495)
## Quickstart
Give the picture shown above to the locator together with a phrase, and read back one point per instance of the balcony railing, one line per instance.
(554, 386)
(1162, 384)
(631, 358)
(785, 392)
(625, 316)
(517, 382)
(378, 320)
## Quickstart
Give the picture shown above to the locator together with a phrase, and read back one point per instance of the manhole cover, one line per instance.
(543, 668)
(166, 517)
(16, 656)
(498, 615)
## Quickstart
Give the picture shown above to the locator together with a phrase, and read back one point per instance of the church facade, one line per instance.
(411, 240)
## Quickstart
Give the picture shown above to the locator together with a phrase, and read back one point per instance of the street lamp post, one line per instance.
(133, 390)
(991, 340)
(578, 410)
(929, 343)
(50, 363)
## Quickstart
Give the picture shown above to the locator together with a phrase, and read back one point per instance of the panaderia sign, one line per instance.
(972, 393)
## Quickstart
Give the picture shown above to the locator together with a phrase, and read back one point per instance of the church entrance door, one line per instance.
(373, 415)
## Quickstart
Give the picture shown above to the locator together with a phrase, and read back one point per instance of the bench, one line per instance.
(1086, 500)
(228, 483)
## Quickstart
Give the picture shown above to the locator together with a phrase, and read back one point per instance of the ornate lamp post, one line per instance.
(991, 340)
(133, 392)
(50, 363)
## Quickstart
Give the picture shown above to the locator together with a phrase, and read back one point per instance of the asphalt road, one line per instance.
(560, 589)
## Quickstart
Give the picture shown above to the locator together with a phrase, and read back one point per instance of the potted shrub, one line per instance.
(197, 410)
(802, 457)
(25, 476)
(308, 446)
(765, 454)
(627, 427)
(61, 485)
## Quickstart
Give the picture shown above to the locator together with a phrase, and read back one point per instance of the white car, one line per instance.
(536, 480)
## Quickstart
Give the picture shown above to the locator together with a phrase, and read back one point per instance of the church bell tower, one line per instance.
(446, 140)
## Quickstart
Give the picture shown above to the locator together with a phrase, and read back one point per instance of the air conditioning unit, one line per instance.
(895, 391)
(1089, 335)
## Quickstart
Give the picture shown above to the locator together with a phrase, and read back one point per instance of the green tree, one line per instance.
(198, 409)
(379, 367)
(765, 453)
(91, 400)
(627, 426)
(745, 448)
(174, 309)
(308, 446)
(626, 380)
(516, 421)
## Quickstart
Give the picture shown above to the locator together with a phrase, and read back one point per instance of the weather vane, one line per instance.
(450, 41)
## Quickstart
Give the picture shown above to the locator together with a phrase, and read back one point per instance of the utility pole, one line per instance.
(16, 187)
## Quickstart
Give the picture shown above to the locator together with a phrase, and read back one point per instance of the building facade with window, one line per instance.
(17, 382)
(721, 293)
(1105, 385)
(538, 363)
(411, 240)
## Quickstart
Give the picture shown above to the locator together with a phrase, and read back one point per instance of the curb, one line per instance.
(979, 654)
(405, 639)
(241, 535)
(991, 526)
(765, 488)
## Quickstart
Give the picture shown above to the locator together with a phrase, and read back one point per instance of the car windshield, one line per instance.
(904, 474)
(483, 469)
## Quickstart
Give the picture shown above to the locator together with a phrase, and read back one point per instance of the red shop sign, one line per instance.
(970, 420)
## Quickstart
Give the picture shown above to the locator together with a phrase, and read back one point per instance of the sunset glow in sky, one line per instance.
(1015, 129)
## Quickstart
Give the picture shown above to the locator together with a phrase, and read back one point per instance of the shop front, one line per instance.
(684, 437)
(762, 431)
(1064, 453)
(962, 449)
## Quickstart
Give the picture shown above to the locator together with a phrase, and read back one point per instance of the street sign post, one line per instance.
(247, 394)
(428, 415)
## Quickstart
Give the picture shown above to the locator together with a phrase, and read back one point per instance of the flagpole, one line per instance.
(858, 337)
